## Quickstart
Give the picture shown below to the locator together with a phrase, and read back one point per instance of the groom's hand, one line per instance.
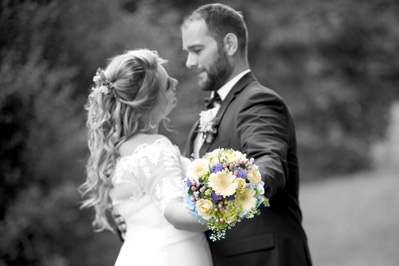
(120, 224)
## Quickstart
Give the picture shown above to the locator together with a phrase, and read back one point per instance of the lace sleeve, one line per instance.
(165, 179)
(184, 162)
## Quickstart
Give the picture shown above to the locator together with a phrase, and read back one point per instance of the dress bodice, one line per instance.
(144, 182)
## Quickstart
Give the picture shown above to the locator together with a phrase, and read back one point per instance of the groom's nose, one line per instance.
(191, 61)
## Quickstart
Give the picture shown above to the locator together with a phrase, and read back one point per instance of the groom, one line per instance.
(254, 120)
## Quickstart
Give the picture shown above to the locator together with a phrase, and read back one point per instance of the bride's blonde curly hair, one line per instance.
(112, 118)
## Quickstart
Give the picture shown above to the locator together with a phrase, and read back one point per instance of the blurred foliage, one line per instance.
(385, 153)
(334, 63)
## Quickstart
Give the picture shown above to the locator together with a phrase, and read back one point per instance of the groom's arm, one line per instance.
(262, 125)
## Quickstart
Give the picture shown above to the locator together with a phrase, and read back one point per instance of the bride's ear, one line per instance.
(230, 42)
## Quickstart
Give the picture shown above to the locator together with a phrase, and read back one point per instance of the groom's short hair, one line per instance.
(221, 20)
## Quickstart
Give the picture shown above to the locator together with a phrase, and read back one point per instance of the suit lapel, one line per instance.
(237, 88)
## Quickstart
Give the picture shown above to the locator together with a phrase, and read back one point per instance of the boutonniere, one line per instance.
(207, 125)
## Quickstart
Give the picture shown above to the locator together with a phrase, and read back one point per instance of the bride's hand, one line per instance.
(176, 213)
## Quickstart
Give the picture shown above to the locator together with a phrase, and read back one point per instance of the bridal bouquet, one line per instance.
(222, 188)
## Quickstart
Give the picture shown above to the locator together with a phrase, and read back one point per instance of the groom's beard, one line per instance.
(218, 73)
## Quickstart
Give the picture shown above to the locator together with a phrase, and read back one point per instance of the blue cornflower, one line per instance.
(217, 168)
(188, 182)
(242, 173)
(231, 197)
(215, 197)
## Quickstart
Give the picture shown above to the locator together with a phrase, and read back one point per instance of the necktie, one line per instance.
(209, 102)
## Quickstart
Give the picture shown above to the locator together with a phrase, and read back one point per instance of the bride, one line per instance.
(137, 171)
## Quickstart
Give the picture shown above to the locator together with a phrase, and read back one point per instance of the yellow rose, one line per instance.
(236, 156)
(205, 208)
(254, 176)
(214, 161)
(230, 216)
(215, 153)
(241, 184)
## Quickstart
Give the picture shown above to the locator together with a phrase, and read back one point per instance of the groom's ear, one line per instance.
(230, 43)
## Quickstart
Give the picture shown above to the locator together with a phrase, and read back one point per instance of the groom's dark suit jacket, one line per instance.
(255, 120)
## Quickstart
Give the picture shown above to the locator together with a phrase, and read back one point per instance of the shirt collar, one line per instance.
(223, 91)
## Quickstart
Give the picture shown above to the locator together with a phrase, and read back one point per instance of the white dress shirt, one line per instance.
(223, 92)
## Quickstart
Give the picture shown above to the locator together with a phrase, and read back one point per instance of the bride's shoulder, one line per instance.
(144, 141)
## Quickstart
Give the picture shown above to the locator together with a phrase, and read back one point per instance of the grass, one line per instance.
(353, 220)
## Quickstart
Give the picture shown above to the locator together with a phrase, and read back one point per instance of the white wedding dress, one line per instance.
(144, 182)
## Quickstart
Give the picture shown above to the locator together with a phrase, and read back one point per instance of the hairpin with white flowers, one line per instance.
(102, 84)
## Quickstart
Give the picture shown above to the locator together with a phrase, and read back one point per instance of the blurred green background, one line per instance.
(335, 62)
